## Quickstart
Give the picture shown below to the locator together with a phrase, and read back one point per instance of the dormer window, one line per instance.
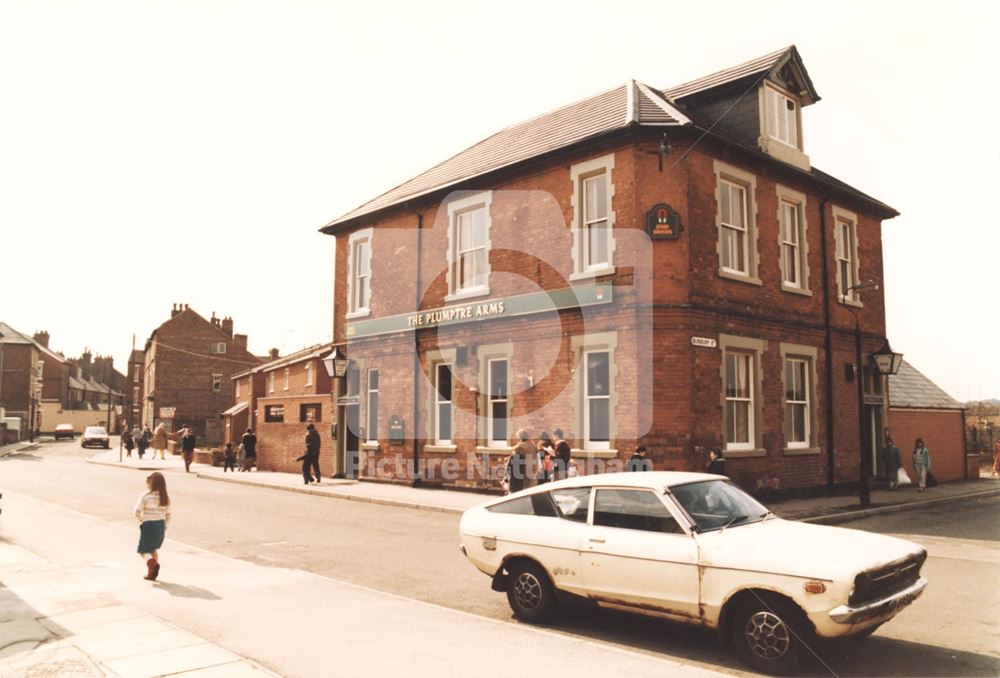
(782, 117)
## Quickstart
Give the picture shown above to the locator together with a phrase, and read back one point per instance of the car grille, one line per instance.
(887, 579)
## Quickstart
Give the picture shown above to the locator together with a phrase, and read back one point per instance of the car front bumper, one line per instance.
(879, 610)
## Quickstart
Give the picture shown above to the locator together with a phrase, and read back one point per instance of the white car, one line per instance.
(95, 435)
(694, 548)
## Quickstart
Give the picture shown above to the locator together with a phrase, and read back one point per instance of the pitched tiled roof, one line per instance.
(910, 388)
(8, 335)
(314, 351)
(768, 63)
(617, 108)
(725, 76)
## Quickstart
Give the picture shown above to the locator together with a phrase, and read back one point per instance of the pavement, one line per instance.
(73, 603)
(821, 509)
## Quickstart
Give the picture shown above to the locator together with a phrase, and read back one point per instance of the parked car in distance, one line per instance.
(64, 431)
(692, 548)
(95, 435)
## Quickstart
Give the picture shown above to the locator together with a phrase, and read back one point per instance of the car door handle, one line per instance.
(597, 541)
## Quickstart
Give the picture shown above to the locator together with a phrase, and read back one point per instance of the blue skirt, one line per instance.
(151, 534)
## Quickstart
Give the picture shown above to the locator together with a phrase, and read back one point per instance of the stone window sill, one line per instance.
(594, 454)
(440, 448)
(802, 451)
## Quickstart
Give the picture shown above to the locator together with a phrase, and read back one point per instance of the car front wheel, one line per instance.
(771, 635)
(530, 593)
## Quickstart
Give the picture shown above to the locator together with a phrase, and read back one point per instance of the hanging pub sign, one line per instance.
(663, 223)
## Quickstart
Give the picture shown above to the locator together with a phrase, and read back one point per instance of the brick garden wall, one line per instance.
(942, 434)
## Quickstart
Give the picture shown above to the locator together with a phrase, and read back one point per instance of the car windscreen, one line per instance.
(715, 504)
(95, 431)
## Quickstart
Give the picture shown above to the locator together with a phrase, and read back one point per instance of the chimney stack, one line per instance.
(42, 338)
(241, 341)
(215, 321)
(175, 310)
(227, 325)
(273, 354)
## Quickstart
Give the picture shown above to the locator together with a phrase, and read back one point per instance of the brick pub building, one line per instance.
(646, 266)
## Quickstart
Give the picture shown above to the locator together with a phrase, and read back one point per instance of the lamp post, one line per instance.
(864, 494)
(336, 364)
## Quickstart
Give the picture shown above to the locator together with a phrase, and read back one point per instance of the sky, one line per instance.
(154, 153)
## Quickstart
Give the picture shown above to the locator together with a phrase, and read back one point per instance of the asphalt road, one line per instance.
(954, 630)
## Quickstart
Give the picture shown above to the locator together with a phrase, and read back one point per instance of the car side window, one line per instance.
(532, 505)
(633, 510)
(572, 503)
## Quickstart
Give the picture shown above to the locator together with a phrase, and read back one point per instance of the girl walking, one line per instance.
(921, 462)
(152, 511)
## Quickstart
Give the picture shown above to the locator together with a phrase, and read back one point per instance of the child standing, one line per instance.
(152, 511)
(229, 462)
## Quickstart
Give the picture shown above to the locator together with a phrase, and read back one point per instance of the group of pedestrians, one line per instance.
(893, 463)
(532, 463)
(143, 439)
(246, 456)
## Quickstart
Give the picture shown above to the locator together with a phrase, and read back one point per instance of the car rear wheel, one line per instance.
(770, 634)
(530, 593)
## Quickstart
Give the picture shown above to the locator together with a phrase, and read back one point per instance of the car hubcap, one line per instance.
(768, 636)
(528, 591)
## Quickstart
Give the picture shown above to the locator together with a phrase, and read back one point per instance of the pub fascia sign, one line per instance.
(488, 309)
(508, 307)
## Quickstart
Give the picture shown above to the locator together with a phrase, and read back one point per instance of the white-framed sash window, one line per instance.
(846, 234)
(469, 246)
(797, 406)
(359, 273)
(735, 226)
(739, 394)
(791, 243)
(782, 117)
(442, 404)
(499, 412)
(593, 217)
(597, 400)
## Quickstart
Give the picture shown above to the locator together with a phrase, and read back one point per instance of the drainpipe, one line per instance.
(827, 346)
(418, 298)
(965, 450)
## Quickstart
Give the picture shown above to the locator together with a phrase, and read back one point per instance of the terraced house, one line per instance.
(649, 265)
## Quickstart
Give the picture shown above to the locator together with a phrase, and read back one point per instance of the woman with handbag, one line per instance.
(893, 463)
(921, 462)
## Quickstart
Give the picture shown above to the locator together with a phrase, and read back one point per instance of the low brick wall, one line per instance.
(942, 433)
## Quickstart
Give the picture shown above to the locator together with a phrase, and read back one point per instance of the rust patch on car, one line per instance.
(645, 607)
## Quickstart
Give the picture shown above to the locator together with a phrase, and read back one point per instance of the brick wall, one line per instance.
(942, 434)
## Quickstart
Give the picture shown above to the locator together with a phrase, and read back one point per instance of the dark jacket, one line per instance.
(249, 441)
(892, 461)
(562, 450)
(521, 467)
(637, 462)
(187, 444)
(312, 442)
(718, 467)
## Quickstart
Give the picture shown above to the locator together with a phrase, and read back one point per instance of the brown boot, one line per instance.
(150, 567)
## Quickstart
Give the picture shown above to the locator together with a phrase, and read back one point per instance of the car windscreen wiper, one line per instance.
(731, 521)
